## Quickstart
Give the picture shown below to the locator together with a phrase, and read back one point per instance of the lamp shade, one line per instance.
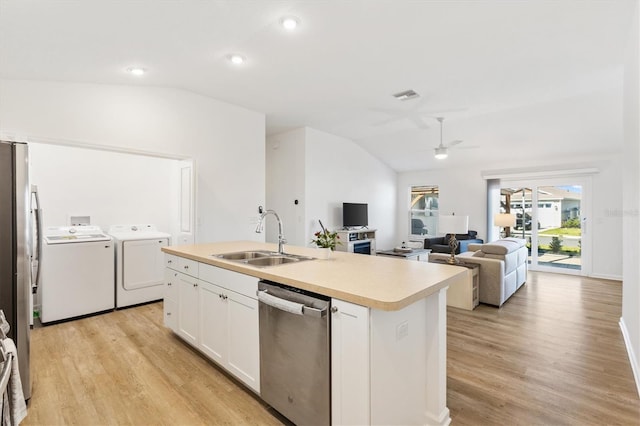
(454, 224)
(504, 220)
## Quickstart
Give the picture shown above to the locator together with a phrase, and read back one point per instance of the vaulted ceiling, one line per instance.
(510, 77)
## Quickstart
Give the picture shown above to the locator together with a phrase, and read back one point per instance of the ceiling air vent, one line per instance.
(406, 95)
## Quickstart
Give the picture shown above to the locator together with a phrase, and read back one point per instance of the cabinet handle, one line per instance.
(169, 262)
(186, 266)
(168, 314)
(195, 285)
(334, 309)
(169, 284)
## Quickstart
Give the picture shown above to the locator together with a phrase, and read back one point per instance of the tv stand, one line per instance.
(361, 241)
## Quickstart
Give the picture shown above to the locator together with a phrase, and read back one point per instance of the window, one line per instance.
(423, 210)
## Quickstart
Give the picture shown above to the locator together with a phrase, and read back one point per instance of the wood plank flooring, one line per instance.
(553, 355)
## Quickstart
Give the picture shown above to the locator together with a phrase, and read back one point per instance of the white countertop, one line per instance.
(374, 281)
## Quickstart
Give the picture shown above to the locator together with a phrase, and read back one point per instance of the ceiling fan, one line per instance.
(441, 151)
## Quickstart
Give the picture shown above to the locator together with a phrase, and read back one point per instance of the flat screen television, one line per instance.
(355, 214)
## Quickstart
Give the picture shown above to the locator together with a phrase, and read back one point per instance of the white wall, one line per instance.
(463, 191)
(630, 321)
(226, 141)
(113, 188)
(285, 184)
(322, 171)
(337, 171)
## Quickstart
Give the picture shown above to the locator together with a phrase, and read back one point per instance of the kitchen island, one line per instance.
(388, 324)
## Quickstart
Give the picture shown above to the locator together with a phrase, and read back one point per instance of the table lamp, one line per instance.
(454, 225)
(504, 220)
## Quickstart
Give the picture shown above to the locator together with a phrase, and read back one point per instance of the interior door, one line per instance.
(185, 198)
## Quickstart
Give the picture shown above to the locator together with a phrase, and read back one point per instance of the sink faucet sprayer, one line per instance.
(281, 239)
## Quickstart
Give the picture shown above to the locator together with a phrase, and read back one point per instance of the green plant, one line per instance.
(571, 223)
(326, 239)
(556, 244)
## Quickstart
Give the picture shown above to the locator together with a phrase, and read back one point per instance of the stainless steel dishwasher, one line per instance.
(295, 353)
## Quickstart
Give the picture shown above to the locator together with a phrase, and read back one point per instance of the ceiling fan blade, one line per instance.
(418, 122)
(454, 143)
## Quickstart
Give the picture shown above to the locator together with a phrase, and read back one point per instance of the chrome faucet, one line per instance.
(281, 239)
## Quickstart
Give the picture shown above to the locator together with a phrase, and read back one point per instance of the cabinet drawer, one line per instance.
(235, 281)
(188, 266)
(171, 284)
(171, 261)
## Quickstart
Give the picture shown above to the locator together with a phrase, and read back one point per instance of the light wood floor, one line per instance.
(552, 355)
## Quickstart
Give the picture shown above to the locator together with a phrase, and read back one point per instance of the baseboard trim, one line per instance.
(630, 354)
(606, 277)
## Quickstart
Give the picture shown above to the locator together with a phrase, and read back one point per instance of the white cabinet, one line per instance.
(188, 308)
(244, 340)
(213, 321)
(362, 241)
(229, 322)
(181, 297)
(170, 304)
(216, 311)
(350, 373)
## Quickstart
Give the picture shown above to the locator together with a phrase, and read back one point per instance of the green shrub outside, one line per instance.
(571, 223)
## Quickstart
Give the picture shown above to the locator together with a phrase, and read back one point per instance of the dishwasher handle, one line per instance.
(289, 306)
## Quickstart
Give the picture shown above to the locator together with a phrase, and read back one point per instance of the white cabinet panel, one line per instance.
(244, 341)
(213, 322)
(188, 308)
(350, 373)
(170, 303)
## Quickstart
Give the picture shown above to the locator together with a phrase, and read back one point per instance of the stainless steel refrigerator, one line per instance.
(17, 250)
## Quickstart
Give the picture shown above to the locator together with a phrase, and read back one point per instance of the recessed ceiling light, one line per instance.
(137, 71)
(237, 59)
(289, 23)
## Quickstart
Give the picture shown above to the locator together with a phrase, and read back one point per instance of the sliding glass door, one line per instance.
(552, 216)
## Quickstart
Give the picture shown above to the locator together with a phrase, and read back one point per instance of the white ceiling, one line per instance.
(511, 77)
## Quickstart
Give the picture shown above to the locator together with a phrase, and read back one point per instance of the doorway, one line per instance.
(552, 216)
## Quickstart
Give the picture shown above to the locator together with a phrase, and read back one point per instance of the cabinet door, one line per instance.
(244, 342)
(213, 322)
(188, 308)
(170, 303)
(170, 309)
(350, 382)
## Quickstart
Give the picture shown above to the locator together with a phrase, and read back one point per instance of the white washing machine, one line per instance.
(77, 272)
(139, 263)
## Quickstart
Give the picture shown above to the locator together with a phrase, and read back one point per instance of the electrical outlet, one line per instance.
(402, 330)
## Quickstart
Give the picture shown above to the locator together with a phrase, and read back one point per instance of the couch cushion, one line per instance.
(521, 242)
(500, 247)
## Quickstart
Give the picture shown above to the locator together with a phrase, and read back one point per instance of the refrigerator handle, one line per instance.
(37, 213)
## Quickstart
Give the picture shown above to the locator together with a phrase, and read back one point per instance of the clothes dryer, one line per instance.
(139, 263)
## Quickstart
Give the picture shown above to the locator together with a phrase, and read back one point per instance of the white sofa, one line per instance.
(503, 267)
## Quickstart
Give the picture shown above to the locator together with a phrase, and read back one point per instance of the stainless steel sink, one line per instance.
(272, 261)
(262, 258)
(244, 255)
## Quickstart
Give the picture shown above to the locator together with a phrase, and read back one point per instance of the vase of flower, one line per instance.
(326, 240)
